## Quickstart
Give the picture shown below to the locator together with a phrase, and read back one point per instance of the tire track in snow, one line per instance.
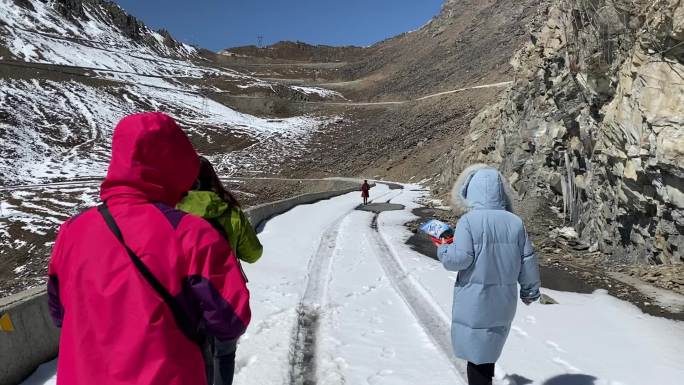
(428, 314)
(303, 348)
(309, 309)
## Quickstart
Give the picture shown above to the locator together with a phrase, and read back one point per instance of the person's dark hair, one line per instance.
(208, 180)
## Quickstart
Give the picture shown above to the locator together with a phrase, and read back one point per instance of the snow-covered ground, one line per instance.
(375, 312)
(28, 221)
(63, 129)
(585, 335)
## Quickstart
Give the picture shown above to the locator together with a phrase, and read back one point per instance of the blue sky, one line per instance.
(216, 24)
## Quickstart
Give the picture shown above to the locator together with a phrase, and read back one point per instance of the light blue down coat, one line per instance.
(493, 254)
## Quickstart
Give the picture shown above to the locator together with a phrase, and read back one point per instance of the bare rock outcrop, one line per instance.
(595, 122)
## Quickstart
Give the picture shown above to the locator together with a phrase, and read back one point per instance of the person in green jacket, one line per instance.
(213, 202)
(210, 200)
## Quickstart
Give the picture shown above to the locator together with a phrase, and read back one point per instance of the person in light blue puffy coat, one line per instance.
(493, 254)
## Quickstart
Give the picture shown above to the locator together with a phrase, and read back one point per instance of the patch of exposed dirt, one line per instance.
(449, 52)
(398, 142)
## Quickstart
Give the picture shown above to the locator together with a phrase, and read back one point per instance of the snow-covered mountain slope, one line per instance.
(98, 36)
(72, 69)
(86, 33)
(69, 71)
(61, 130)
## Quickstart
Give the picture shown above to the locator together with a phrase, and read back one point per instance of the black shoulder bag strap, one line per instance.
(182, 320)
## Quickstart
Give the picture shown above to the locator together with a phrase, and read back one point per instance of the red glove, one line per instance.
(442, 241)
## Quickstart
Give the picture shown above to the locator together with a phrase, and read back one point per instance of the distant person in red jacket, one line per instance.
(365, 191)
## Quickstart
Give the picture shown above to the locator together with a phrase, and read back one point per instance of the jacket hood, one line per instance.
(205, 204)
(152, 158)
(481, 187)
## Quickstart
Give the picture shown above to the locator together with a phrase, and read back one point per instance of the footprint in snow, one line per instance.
(243, 363)
(520, 332)
(388, 352)
(341, 362)
(566, 365)
(377, 377)
(367, 289)
(272, 320)
(332, 340)
(530, 319)
(332, 377)
(555, 346)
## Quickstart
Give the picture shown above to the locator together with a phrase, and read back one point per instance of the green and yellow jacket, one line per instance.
(241, 236)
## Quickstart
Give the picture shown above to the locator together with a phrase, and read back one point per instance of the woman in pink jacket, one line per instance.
(117, 327)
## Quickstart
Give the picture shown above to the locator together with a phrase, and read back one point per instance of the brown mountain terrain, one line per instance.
(468, 43)
(285, 51)
(409, 141)
(584, 141)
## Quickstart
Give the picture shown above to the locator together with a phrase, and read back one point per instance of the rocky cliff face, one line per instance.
(595, 123)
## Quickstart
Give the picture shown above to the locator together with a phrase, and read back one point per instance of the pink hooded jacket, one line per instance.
(115, 328)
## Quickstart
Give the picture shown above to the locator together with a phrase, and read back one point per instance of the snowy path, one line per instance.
(336, 302)
(317, 327)
(385, 343)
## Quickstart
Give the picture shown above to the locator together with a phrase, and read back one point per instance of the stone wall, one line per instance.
(34, 339)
